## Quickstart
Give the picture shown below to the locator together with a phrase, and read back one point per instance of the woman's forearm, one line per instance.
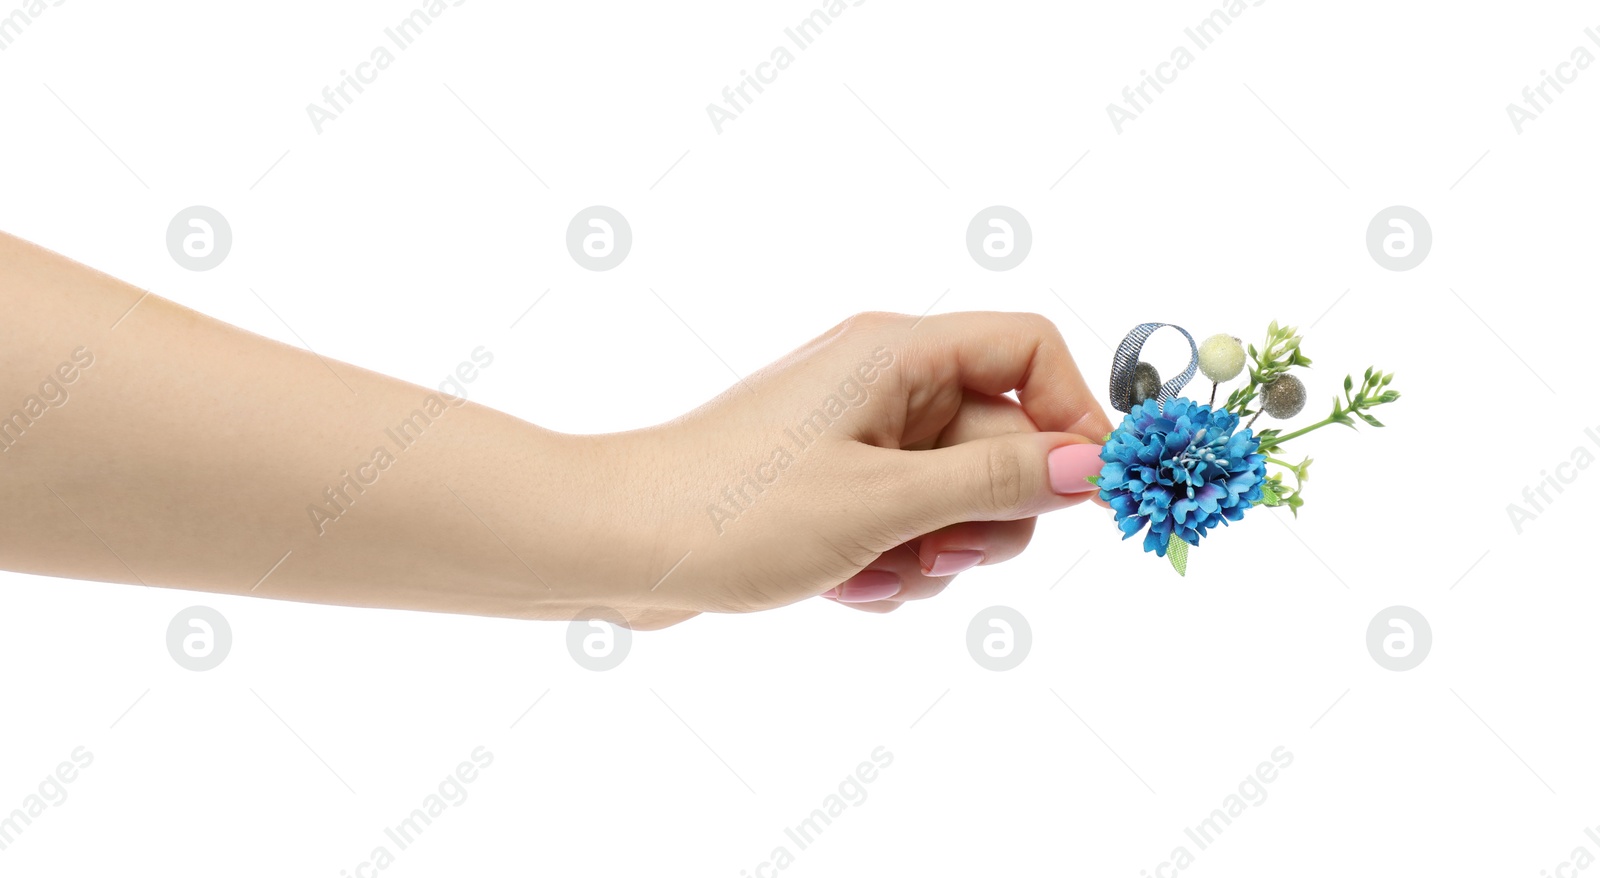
(144, 442)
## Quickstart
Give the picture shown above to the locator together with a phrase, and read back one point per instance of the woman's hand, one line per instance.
(869, 467)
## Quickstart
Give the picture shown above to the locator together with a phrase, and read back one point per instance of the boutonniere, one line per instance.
(1176, 468)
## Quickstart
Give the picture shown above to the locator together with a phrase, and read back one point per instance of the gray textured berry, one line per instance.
(1146, 383)
(1284, 397)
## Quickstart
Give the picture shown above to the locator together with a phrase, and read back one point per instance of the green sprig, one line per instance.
(1277, 355)
(1275, 493)
(1356, 404)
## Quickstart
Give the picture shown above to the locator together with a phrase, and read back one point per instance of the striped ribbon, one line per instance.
(1127, 358)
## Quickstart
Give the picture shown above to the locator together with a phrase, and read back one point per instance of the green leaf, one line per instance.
(1369, 419)
(1269, 496)
(1295, 502)
(1093, 480)
(1178, 554)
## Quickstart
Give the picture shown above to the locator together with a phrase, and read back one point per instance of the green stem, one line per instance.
(1278, 441)
(1283, 463)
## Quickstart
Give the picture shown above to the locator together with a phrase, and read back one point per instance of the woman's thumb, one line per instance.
(1001, 478)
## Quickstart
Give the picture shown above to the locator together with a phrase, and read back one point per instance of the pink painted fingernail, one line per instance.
(1070, 465)
(868, 585)
(951, 563)
(831, 594)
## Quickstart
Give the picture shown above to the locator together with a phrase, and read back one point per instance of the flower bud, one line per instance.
(1221, 357)
(1284, 397)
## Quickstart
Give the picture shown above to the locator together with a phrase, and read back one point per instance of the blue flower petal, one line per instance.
(1179, 468)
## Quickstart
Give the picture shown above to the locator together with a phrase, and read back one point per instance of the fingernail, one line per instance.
(868, 585)
(831, 594)
(951, 563)
(1070, 465)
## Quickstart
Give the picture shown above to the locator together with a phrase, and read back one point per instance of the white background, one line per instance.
(409, 232)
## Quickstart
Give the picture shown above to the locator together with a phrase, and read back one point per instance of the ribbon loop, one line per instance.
(1127, 358)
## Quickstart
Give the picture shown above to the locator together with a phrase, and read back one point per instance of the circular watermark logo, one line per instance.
(199, 638)
(599, 238)
(599, 639)
(999, 238)
(999, 638)
(199, 238)
(1399, 238)
(1399, 638)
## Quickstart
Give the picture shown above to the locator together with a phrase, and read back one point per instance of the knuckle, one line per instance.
(866, 321)
(1043, 325)
(1005, 476)
(745, 595)
(840, 556)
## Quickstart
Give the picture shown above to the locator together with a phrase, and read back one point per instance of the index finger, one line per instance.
(994, 352)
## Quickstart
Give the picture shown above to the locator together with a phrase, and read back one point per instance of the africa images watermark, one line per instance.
(52, 791)
(737, 98)
(52, 394)
(853, 392)
(337, 98)
(1138, 99)
(339, 497)
(1580, 858)
(852, 791)
(1252, 792)
(452, 792)
(1566, 473)
(1536, 99)
(13, 24)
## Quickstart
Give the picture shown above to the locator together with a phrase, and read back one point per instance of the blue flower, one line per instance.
(1179, 469)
